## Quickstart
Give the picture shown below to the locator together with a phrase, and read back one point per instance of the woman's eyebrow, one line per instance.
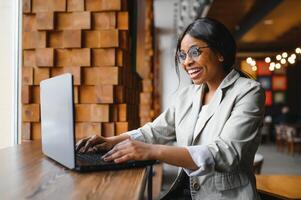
(194, 45)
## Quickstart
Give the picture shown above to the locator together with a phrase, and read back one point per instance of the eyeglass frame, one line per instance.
(190, 54)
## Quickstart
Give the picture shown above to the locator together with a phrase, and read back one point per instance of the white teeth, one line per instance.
(191, 71)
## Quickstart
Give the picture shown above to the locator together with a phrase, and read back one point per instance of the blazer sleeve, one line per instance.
(240, 130)
(160, 131)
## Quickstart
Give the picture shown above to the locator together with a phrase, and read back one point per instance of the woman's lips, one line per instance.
(195, 72)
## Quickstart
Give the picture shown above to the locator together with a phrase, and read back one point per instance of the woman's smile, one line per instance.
(195, 72)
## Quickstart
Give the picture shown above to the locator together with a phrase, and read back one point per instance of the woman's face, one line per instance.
(201, 64)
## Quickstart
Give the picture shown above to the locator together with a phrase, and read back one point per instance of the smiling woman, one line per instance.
(215, 122)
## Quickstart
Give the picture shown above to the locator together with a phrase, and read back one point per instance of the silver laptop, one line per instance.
(58, 132)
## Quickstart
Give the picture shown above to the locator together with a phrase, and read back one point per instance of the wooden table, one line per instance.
(25, 173)
(281, 186)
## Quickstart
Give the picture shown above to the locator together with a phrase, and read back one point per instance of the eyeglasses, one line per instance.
(194, 52)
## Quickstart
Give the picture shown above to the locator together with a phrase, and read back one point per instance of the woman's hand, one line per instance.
(130, 150)
(94, 143)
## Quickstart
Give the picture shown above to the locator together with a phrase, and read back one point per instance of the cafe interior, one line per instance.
(121, 57)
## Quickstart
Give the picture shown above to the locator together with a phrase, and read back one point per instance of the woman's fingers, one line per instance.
(91, 142)
(81, 143)
(123, 158)
(117, 147)
(117, 155)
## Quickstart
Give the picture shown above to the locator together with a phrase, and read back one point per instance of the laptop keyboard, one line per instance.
(92, 158)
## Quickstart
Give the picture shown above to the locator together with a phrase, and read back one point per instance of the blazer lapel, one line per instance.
(212, 107)
(196, 105)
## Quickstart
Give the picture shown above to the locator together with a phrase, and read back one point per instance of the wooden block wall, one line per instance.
(89, 39)
(149, 108)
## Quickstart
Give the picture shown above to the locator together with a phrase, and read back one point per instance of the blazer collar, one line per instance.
(212, 106)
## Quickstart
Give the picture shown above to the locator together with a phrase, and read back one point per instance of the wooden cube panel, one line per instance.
(72, 38)
(91, 39)
(40, 74)
(145, 98)
(54, 34)
(104, 20)
(45, 20)
(27, 76)
(75, 5)
(92, 113)
(55, 39)
(124, 39)
(123, 20)
(75, 21)
(147, 85)
(119, 94)
(34, 39)
(122, 113)
(29, 23)
(31, 113)
(75, 71)
(144, 110)
(29, 58)
(108, 129)
(120, 60)
(36, 131)
(109, 38)
(85, 129)
(103, 5)
(48, 6)
(96, 94)
(81, 57)
(63, 57)
(121, 127)
(102, 76)
(26, 6)
(44, 57)
(26, 131)
(35, 90)
(104, 57)
(26, 94)
(75, 94)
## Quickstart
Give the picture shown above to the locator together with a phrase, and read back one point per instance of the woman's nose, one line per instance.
(188, 60)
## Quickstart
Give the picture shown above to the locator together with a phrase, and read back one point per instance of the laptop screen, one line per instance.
(57, 123)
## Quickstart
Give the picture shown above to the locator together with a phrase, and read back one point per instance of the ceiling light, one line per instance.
(249, 60)
(293, 56)
(291, 60)
(254, 68)
(278, 57)
(298, 50)
(253, 63)
(271, 68)
(283, 61)
(284, 54)
(267, 59)
(277, 66)
(272, 64)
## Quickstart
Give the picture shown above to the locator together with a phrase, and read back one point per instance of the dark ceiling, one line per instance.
(261, 25)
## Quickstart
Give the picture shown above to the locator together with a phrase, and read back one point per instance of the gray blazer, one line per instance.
(233, 119)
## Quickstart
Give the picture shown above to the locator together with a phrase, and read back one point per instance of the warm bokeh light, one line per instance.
(249, 60)
(284, 55)
(298, 50)
(267, 59)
